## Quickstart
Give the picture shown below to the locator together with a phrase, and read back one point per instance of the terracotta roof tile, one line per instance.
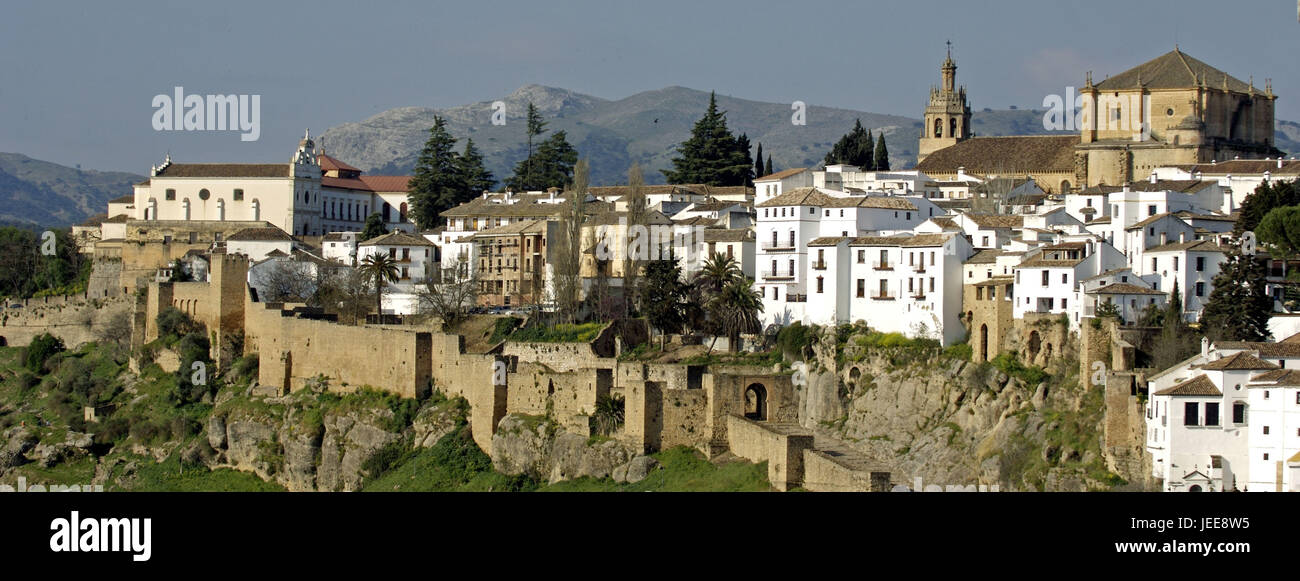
(1002, 155)
(1238, 362)
(1200, 385)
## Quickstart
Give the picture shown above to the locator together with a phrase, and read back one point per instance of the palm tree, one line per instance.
(717, 271)
(382, 269)
(736, 310)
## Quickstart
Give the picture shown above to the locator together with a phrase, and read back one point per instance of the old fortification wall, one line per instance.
(782, 446)
(75, 319)
(824, 472)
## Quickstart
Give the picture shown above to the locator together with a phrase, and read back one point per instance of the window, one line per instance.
(862, 288)
(204, 194)
(1266, 455)
(1211, 414)
(812, 211)
(1063, 301)
(1265, 430)
(1238, 413)
(1065, 278)
(1200, 289)
(1175, 264)
(1045, 275)
(862, 256)
(1151, 210)
(171, 194)
(819, 285)
(991, 296)
(985, 241)
(1200, 263)
(1266, 394)
(1155, 264)
(239, 194)
(1191, 413)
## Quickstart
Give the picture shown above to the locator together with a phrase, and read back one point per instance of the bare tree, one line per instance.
(115, 329)
(345, 292)
(451, 296)
(567, 261)
(637, 214)
(288, 281)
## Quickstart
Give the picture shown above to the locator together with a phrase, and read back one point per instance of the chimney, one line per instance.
(1164, 238)
(1182, 236)
(1153, 177)
(961, 172)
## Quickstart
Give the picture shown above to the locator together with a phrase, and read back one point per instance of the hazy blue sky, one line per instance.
(76, 82)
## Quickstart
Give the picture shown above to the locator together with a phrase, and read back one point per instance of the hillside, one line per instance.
(48, 194)
(645, 127)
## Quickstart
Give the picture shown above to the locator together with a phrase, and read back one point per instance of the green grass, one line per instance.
(454, 464)
(171, 476)
(562, 333)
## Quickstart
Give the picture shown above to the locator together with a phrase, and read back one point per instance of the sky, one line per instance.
(78, 81)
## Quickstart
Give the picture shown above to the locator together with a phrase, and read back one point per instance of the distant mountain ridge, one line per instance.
(43, 193)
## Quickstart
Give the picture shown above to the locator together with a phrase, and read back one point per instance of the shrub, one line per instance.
(172, 322)
(42, 347)
(1010, 364)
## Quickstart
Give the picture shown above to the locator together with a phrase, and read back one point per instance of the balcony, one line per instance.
(918, 295)
(919, 267)
(819, 265)
(777, 275)
(779, 247)
(878, 265)
(796, 298)
(879, 295)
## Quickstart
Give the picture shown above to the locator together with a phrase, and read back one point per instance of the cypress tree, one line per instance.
(882, 154)
(758, 162)
(712, 155)
(767, 171)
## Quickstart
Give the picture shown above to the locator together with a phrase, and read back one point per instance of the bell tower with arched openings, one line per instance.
(947, 117)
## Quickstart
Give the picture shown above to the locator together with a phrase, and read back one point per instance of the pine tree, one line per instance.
(536, 126)
(758, 162)
(663, 282)
(473, 173)
(712, 155)
(552, 165)
(767, 171)
(882, 154)
(436, 183)
(1238, 308)
(1267, 196)
(853, 148)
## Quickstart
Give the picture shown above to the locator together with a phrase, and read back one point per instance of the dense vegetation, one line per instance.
(31, 265)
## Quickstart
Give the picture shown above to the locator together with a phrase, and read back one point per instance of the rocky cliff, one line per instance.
(932, 415)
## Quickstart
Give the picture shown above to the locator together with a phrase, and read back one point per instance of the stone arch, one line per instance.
(1035, 345)
(1065, 187)
(952, 127)
(756, 402)
(984, 342)
(387, 212)
(1194, 488)
(938, 127)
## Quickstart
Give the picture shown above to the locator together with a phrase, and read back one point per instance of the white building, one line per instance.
(1228, 418)
(340, 247)
(415, 264)
(258, 243)
(1240, 177)
(1048, 280)
(905, 284)
(775, 184)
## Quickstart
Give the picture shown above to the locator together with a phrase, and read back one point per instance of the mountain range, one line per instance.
(645, 127)
(42, 193)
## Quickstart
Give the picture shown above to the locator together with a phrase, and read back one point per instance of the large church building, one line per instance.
(1171, 110)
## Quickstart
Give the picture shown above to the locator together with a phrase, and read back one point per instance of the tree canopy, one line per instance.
(444, 179)
(855, 148)
(712, 155)
(1238, 308)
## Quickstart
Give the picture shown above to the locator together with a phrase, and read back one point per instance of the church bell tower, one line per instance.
(947, 117)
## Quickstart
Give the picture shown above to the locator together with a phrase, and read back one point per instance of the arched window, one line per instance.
(952, 127)
(938, 127)
(388, 210)
(402, 211)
